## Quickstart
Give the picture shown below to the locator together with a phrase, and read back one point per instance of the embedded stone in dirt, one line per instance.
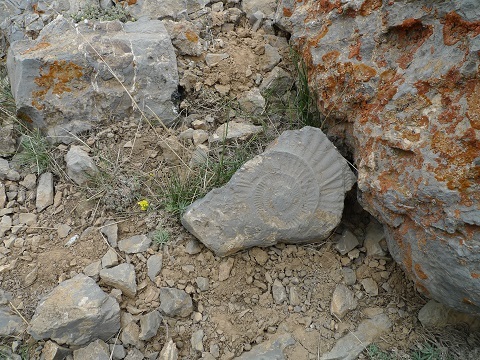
(80, 166)
(169, 351)
(271, 349)
(149, 324)
(121, 277)
(293, 193)
(154, 266)
(53, 351)
(135, 244)
(352, 344)
(347, 242)
(234, 130)
(175, 302)
(10, 324)
(110, 230)
(91, 313)
(436, 315)
(373, 238)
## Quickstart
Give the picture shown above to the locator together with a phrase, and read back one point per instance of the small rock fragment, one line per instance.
(349, 276)
(253, 102)
(149, 324)
(271, 349)
(53, 351)
(234, 130)
(97, 350)
(347, 242)
(192, 247)
(80, 166)
(63, 230)
(225, 268)
(370, 286)
(203, 283)
(197, 340)
(110, 230)
(121, 277)
(169, 351)
(109, 259)
(175, 302)
(154, 266)
(374, 235)
(279, 293)
(135, 244)
(45, 191)
(343, 300)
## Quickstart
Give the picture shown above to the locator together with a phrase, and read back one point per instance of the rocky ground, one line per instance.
(284, 301)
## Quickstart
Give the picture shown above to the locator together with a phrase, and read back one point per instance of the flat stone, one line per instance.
(80, 166)
(149, 324)
(343, 300)
(175, 302)
(135, 244)
(45, 191)
(278, 292)
(234, 130)
(110, 230)
(272, 349)
(63, 230)
(278, 82)
(154, 266)
(352, 344)
(294, 297)
(197, 340)
(53, 351)
(97, 350)
(203, 283)
(118, 351)
(110, 259)
(5, 225)
(134, 354)
(214, 59)
(121, 277)
(293, 192)
(225, 268)
(10, 324)
(271, 58)
(131, 335)
(91, 314)
(370, 286)
(93, 270)
(260, 255)
(5, 297)
(3, 195)
(29, 181)
(169, 351)
(28, 219)
(347, 242)
(253, 102)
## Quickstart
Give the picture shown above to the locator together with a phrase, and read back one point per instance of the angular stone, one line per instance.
(347, 242)
(97, 350)
(203, 283)
(225, 268)
(169, 351)
(63, 230)
(53, 351)
(214, 59)
(117, 351)
(175, 302)
(27, 219)
(121, 277)
(352, 344)
(110, 230)
(278, 292)
(293, 192)
(192, 247)
(63, 86)
(76, 312)
(252, 102)
(272, 349)
(109, 259)
(374, 235)
(154, 266)
(5, 225)
(3, 195)
(271, 58)
(349, 276)
(135, 244)
(29, 181)
(10, 324)
(197, 340)
(343, 300)
(93, 270)
(278, 82)
(267, 7)
(134, 354)
(80, 166)
(45, 191)
(185, 37)
(370, 286)
(149, 324)
(418, 167)
(234, 130)
(131, 335)
(156, 9)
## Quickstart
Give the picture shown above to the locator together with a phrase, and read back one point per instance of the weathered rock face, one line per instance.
(61, 84)
(400, 83)
(293, 193)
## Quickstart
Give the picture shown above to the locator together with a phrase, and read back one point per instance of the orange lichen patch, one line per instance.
(368, 6)
(191, 36)
(419, 271)
(313, 42)
(355, 50)
(330, 57)
(39, 46)
(475, 275)
(322, 7)
(455, 28)
(363, 72)
(388, 180)
(36, 11)
(421, 288)
(473, 101)
(37, 105)
(57, 79)
(415, 34)
(287, 12)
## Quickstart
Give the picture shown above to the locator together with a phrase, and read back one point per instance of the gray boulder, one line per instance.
(76, 312)
(80, 166)
(293, 193)
(10, 324)
(63, 85)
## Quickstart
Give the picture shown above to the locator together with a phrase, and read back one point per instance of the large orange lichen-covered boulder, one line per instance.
(399, 82)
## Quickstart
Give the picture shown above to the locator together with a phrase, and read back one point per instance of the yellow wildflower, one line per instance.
(143, 205)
